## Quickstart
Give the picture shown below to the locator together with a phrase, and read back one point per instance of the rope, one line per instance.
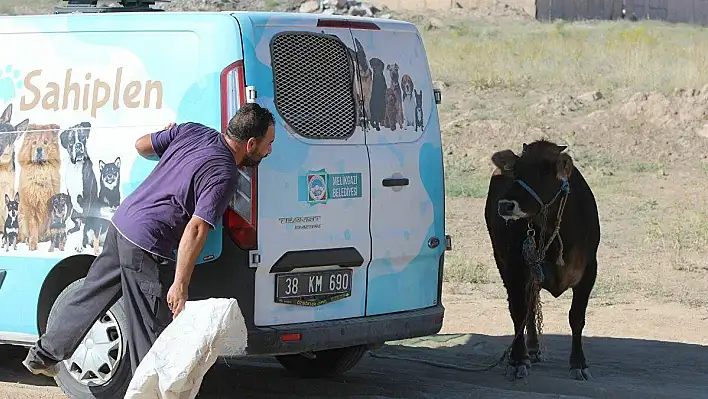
(531, 302)
(440, 364)
(533, 289)
(536, 259)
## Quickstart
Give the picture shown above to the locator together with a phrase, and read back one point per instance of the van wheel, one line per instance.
(100, 367)
(327, 363)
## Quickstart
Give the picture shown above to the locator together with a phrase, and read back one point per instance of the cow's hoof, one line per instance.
(517, 372)
(536, 357)
(581, 375)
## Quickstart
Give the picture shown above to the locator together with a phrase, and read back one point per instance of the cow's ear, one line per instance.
(505, 161)
(564, 166)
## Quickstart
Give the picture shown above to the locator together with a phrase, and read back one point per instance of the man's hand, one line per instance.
(176, 298)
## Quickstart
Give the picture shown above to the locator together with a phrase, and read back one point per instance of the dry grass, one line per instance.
(601, 55)
(510, 71)
(515, 81)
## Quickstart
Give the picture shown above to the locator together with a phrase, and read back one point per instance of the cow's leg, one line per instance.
(532, 335)
(581, 294)
(519, 362)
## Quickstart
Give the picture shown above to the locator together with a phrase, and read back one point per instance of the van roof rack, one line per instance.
(91, 6)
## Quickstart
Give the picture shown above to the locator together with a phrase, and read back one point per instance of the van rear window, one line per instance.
(314, 81)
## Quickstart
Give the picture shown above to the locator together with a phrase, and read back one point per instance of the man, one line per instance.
(171, 212)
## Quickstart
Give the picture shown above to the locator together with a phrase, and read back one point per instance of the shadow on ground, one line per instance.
(623, 368)
(12, 370)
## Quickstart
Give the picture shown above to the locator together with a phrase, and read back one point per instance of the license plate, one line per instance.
(313, 288)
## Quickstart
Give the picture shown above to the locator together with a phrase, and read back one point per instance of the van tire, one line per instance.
(327, 363)
(118, 384)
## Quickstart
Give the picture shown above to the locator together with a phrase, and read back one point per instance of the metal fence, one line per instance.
(688, 11)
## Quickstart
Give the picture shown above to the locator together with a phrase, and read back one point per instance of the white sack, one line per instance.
(181, 356)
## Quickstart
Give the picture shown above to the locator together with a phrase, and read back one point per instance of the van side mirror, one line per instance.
(437, 94)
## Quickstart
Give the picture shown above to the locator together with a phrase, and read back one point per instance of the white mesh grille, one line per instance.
(313, 76)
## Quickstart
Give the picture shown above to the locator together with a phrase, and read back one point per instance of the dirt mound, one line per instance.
(605, 130)
(492, 11)
(684, 109)
(675, 124)
(557, 104)
(496, 10)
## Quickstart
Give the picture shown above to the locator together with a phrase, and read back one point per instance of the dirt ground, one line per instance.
(634, 350)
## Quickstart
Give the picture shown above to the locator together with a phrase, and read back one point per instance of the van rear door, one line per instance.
(407, 194)
(313, 190)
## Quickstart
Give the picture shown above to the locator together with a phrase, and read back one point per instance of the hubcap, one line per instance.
(96, 359)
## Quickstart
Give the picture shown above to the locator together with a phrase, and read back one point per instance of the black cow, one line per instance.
(536, 201)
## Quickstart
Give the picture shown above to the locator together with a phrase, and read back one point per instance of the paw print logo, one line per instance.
(10, 83)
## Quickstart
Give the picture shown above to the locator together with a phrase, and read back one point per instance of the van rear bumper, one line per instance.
(342, 333)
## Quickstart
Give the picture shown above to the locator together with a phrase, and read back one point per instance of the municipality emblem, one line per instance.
(317, 187)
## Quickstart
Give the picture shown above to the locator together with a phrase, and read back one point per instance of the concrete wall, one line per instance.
(688, 11)
(578, 9)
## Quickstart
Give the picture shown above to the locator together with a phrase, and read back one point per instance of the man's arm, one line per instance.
(153, 145)
(190, 245)
(215, 185)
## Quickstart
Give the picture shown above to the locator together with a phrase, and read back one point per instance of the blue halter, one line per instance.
(564, 189)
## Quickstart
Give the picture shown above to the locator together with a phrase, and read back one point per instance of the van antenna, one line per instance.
(91, 6)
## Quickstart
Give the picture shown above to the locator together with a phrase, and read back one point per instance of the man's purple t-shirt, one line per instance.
(196, 175)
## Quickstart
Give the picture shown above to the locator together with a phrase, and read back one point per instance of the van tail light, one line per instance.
(241, 215)
(346, 24)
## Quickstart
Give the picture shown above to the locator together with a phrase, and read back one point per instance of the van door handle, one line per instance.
(395, 182)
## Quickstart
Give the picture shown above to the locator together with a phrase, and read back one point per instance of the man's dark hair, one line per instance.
(251, 120)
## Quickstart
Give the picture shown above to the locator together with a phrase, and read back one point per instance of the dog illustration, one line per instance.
(79, 176)
(391, 112)
(109, 195)
(365, 75)
(358, 95)
(407, 88)
(397, 105)
(95, 225)
(98, 219)
(8, 135)
(60, 208)
(12, 225)
(377, 104)
(418, 110)
(363, 87)
(40, 166)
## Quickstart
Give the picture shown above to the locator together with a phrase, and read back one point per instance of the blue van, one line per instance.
(332, 246)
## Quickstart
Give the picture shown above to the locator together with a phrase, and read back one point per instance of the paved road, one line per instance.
(623, 368)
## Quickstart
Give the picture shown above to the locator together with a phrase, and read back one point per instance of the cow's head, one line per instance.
(540, 176)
